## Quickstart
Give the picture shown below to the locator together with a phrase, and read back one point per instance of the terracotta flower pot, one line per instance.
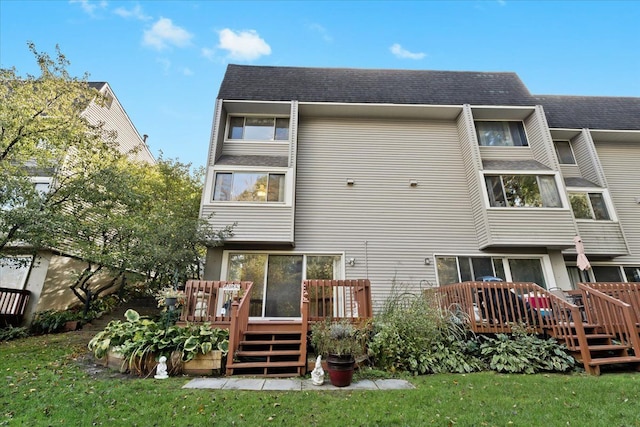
(340, 369)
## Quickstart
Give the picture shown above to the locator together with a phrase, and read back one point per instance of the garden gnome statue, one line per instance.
(317, 375)
(161, 370)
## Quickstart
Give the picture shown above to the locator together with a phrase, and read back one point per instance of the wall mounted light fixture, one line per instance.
(350, 181)
(427, 261)
(413, 182)
(351, 262)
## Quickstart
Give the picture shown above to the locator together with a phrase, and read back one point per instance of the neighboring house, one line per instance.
(49, 274)
(416, 179)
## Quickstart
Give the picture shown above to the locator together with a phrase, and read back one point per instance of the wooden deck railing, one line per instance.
(210, 301)
(493, 307)
(628, 292)
(337, 299)
(13, 304)
(613, 316)
(239, 322)
(304, 321)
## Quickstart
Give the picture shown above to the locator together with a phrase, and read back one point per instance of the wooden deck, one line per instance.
(598, 325)
(268, 346)
(13, 304)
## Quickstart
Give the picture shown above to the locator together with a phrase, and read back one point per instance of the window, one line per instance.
(13, 271)
(523, 191)
(589, 206)
(258, 128)
(455, 269)
(564, 152)
(501, 134)
(249, 187)
(632, 273)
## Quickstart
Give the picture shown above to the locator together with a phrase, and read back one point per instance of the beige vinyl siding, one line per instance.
(620, 163)
(388, 226)
(116, 119)
(506, 153)
(530, 227)
(246, 148)
(602, 238)
(586, 158)
(570, 171)
(254, 223)
(471, 157)
(217, 133)
(539, 138)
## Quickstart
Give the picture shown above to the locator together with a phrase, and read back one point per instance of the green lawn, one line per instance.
(46, 382)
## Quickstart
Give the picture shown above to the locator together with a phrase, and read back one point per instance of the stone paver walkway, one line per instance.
(292, 384)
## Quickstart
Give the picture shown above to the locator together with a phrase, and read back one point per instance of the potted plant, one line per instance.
(341, 342)
(170, 298)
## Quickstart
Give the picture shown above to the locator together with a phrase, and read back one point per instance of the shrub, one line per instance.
(11, 333)
(51, 321)
(414, 334)
(525, 353)
(339, 338)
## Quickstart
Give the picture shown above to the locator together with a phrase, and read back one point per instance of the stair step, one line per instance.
(291, 364)
(267, 342)
(608, 347)
(267, 353)
(614, 360)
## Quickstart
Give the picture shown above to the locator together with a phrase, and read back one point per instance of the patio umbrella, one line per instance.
(582, 261)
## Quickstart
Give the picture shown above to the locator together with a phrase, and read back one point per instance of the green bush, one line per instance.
(525, 353)
(11, 333)
(414, 334)
(52, 321)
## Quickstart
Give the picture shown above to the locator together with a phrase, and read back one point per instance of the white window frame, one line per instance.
(258, 116)
(605, 196)
(545, 261)
(524, 130)
(573, 154)
(288, 184)
(564, 201)
(28, 261)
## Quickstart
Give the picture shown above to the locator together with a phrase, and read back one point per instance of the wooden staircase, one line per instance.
(602, 349)
(270, 349)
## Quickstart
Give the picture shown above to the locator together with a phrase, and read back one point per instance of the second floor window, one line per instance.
(501, 134)
(589, 206)
(523, 191)
(564, 152)
(259, 128)
(249, 187)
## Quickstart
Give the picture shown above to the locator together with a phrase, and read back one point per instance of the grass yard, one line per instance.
(47, 381)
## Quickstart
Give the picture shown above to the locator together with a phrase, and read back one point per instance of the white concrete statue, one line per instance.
(161, 369)
(317, 375)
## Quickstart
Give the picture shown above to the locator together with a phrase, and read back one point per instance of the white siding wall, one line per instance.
(254, 223)
(620, 162)
(540, 139)
(586, 158)
(388, 226)
(244, 148)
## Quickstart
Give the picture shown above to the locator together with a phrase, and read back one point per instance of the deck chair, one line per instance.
(560, 294)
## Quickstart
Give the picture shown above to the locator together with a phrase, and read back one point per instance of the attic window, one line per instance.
(259, 128)
(501, 134)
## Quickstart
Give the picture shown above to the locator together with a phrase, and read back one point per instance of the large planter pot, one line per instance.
(116, 361)
(340, 369)
(203, 364)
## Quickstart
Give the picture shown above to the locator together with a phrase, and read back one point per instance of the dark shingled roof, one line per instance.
(520, 165)
(594, 112)
(579, 182)
(267, 161)
(97, 85)
(351, 85)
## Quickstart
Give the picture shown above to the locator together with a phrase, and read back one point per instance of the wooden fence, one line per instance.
(13, 304)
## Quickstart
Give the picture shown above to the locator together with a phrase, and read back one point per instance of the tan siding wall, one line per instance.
(506, 153)
(620, 163)
(243, 148)
(255, 223)
(381, 219)
(586, 158)
(116, 119)
(217, 132)
(540, 139)
(472, 164)
(570, 171)
(602, 238)
(531, 227)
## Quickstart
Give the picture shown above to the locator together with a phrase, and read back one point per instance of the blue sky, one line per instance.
(165, 59)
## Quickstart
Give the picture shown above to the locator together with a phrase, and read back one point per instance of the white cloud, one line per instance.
(207, 53)
(164, 33)
(400, 52)
(323, 32)
(90, 7)
(243, 45)
(134, 13)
